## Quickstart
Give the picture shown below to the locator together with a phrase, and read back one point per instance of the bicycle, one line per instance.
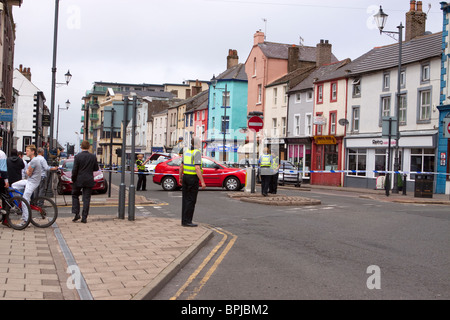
(13, 212)
(43, 212)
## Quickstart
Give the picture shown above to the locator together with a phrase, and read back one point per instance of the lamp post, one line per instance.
(224, 122)
(380, 19)
(68, 76)
(57, 121)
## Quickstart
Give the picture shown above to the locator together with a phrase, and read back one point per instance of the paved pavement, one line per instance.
(108, 258)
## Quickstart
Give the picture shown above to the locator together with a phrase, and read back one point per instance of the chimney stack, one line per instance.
(293, 58)
(26, 72)
(415, 21)
(258, 38)
(323, 53)
(232, 59)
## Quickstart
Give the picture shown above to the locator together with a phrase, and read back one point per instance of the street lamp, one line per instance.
(68, 76)
(57, 121)
(225, 106)
(380, 19)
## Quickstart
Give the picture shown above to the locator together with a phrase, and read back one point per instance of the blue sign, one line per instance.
(6, 115)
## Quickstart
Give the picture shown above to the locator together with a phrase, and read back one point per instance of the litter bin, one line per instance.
(423, 186)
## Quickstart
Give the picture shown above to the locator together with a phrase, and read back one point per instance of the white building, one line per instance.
(24, 110)
(159, 131)
(372, 95)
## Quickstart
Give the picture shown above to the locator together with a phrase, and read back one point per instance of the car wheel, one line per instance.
(169, 183)
(232, 184)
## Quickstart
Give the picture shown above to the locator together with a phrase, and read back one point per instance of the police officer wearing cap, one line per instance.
(191, 176)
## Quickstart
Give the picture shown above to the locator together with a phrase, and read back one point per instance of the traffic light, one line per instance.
(119, 152)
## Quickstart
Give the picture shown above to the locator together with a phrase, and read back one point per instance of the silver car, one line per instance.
(288, 173)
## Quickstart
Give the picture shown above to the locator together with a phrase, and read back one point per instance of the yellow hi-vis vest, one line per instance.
(140, 165)
(188, 162)
(265, 160)
(275, 162)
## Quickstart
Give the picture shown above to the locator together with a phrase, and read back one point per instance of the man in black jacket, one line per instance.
(15, 166)
(83, 178)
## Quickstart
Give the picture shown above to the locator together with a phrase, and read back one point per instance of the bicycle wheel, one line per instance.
(14, 213)
(43, 212)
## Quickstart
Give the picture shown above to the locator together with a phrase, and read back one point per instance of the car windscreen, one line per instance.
(287, 166)
(68, 166)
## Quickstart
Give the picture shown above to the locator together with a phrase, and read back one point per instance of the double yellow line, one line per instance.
(204, 280)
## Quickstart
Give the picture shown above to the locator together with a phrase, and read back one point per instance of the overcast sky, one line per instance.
(153, 41)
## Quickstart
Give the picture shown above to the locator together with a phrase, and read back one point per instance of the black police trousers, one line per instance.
(190, 192)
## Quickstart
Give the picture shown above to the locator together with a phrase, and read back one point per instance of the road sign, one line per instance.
(6, 115)
(446, 128)
(255, 123)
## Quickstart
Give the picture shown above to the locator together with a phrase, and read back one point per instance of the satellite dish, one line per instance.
(343, 122)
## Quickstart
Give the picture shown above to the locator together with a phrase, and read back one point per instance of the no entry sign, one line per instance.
(255, 123)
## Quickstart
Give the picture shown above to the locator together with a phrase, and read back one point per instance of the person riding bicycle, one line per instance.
(34, 173)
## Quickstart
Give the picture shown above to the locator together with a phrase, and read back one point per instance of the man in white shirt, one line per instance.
(34, 173)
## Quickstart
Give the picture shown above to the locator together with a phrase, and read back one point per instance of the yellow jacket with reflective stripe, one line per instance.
(265, 160)
(188, 162)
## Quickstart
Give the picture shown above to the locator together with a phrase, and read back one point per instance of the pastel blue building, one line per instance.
(444, 107)
(227, 114)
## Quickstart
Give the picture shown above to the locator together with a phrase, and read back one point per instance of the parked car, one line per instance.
(215, 174)
(156, 159)
(65, 179)
(289, 172)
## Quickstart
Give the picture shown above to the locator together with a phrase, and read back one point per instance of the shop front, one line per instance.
(368, 157)
(299, 154)
(327, 156)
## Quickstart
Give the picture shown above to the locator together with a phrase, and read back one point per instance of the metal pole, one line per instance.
(132, 189)
(253, 164)
(397, 111)
(110, 152)
(224, 123)
(122, 188)
(55, 46)
(388, 182)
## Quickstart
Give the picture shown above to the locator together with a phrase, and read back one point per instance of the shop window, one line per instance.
(422, 160)
(357, 160)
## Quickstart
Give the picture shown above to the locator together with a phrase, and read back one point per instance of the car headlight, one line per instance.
(99, 177)
(66, 179)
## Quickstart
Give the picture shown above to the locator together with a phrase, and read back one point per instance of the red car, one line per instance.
(214, 173)
(65, 179)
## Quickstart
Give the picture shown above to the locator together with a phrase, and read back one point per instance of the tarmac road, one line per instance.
(342, 249)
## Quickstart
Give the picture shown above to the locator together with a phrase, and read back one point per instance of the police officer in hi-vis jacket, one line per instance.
(191, 176)
(265, 164)
(142, 177)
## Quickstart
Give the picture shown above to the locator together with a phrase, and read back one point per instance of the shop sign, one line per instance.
(325, 140)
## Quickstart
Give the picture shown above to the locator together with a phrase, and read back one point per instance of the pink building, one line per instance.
(269, 61)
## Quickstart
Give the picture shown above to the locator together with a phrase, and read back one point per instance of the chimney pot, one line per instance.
(412, 5)
(415, 21)
(419, 6)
